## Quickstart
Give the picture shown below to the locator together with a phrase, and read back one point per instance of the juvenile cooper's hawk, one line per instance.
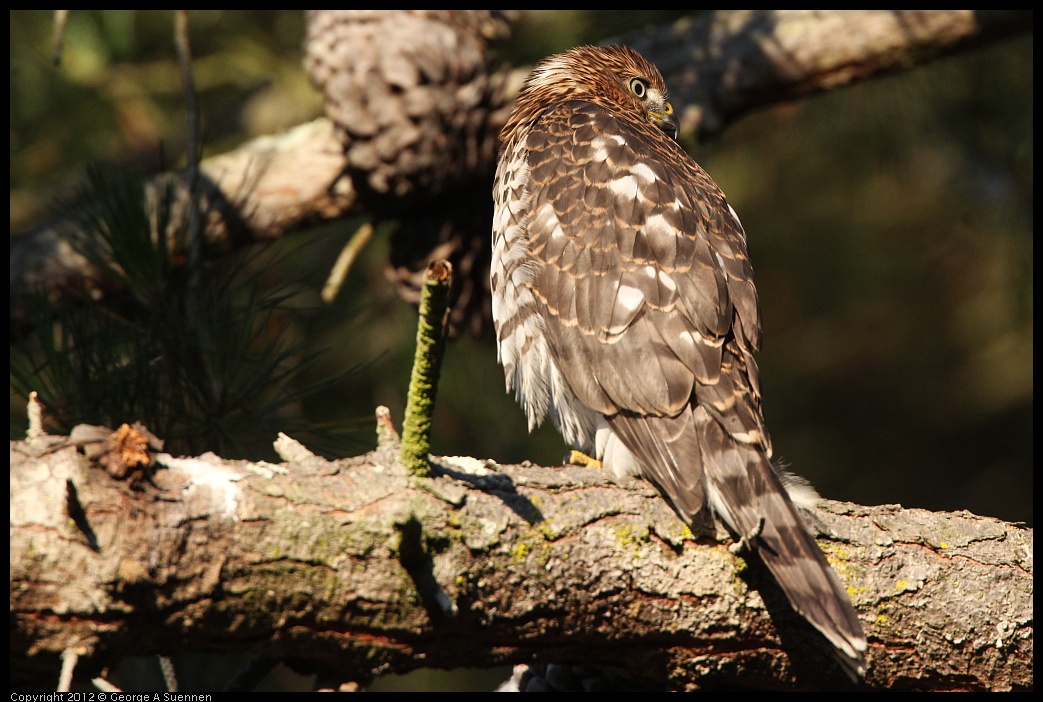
(624, 307)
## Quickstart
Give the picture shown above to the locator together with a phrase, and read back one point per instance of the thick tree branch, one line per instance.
(352, 566)
(718, 67)
(723, 66)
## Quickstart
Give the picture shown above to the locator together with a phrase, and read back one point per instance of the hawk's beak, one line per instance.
(666, 121)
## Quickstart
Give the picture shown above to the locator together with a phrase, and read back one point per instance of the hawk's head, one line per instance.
(616, 77)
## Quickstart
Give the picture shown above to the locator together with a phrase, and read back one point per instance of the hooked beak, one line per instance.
(666, 121)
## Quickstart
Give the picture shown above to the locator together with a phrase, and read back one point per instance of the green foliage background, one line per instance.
(890, 226)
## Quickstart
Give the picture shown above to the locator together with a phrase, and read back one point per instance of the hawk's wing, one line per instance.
(642, 272)
(643, 282)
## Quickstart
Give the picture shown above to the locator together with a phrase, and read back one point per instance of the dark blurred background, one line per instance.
(890, 227)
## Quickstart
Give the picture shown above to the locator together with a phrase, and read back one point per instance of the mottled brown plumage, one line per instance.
(624, 307)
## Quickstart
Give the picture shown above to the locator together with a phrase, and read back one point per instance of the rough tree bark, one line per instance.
(352, 566)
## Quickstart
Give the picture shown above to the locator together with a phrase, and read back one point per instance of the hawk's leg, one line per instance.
(746, 542)
(578, 458)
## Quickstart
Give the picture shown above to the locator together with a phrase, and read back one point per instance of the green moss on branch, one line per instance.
(427, 363)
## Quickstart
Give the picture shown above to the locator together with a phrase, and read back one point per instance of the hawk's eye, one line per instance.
(639, 87)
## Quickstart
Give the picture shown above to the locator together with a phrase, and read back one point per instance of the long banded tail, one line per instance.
(745, 492)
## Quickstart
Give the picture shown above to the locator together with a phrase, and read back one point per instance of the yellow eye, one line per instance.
(639, 87)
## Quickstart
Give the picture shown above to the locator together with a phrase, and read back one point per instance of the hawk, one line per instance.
(624, 307)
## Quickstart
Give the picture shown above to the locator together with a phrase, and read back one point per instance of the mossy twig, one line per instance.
(423, 383)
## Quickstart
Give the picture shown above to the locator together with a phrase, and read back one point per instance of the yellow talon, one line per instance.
(578, 458)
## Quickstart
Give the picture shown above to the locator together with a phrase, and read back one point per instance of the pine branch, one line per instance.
(353, 567)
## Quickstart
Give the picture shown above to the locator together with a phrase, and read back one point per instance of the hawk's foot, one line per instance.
(746, 542)
(578, 458)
